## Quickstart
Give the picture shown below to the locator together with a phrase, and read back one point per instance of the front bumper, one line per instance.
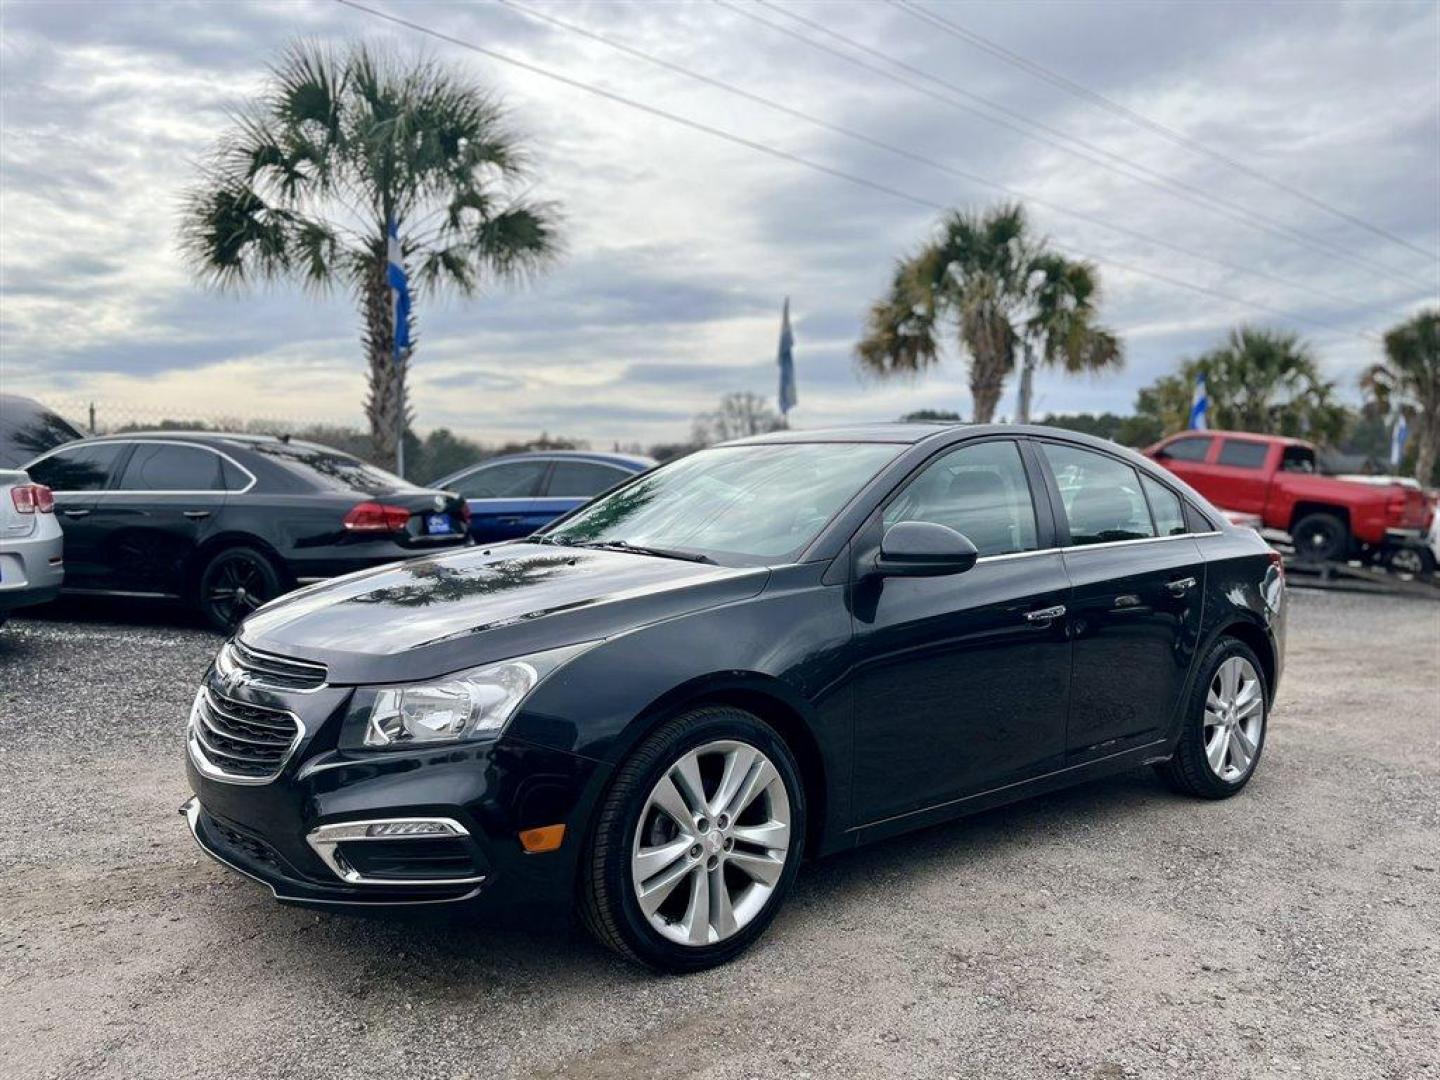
(302, 834)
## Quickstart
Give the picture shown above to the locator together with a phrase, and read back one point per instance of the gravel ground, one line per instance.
(1112, 930)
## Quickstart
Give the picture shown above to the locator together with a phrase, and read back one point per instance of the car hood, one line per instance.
(431, 616)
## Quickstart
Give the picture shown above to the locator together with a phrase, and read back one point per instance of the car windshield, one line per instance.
(331, 469)
(28, 429)
(746, 505)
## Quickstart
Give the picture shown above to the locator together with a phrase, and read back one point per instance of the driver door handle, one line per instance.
(197, 515)
(75, 512)
(1045, 615)
(1181, 587)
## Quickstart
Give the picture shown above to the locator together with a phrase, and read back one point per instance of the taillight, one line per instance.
(464, 513)
(377, 517)
(1277, 562)
(29, 498)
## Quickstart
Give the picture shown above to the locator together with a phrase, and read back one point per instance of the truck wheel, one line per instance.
(1321, 538)
(1411, 560)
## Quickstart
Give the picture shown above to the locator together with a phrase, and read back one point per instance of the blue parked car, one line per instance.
(514, 495)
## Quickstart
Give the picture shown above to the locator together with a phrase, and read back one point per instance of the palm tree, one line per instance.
(1409, 380)
(1002, 290)
(308, 179)
(1268, 381)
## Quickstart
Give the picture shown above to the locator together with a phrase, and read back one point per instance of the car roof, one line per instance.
(638, 461)
(1249, 436)
(911, 432)
(228, 438)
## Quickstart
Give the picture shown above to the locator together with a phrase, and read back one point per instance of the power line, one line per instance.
(1053, 77)
(963, 174)
(1116, 163)
(785, 155)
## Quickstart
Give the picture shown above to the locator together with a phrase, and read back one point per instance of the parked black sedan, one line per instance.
(775, 648)
(227, 522)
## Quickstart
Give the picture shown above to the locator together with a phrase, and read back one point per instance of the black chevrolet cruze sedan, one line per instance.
(771, 649)
(227, 522)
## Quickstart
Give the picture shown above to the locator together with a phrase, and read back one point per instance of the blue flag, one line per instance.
(399, 293)
(787, 362)
(1199, 404)
(1398, 434)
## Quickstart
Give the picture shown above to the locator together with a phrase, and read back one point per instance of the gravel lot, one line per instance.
(1112, 930)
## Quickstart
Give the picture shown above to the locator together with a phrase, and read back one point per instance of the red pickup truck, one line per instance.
(1278, 480)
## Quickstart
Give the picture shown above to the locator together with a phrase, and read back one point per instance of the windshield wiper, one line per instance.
(641, 549)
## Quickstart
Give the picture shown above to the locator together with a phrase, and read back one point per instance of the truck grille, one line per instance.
(244, 743)
(268, 670)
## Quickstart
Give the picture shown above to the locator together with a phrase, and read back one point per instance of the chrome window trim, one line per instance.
(150, 442)
(194, 743)
(1094, 547)
(324, 839)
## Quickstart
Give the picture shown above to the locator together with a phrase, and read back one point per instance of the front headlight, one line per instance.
(460, 706)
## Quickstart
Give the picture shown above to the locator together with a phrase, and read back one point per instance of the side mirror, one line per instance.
(924, 549)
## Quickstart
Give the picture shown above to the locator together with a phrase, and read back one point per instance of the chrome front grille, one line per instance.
(241, 742)
(268, 670)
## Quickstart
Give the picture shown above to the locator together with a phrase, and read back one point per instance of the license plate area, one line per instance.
(438, 525)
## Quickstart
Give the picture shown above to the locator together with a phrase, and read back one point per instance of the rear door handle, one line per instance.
(510, 520)
(1045, 614)
(1181, 586)
(75, 513)
(197, 515)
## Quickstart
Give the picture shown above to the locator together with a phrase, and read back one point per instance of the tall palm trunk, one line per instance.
(1027, 385)
(988, 338)
(1429, 444)
(385, 402)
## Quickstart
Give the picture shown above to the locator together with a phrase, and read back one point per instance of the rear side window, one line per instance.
(330, 470)
(1165, 508)
(158, 467)
(583, 478)
(506, 480)
(979, 491)
(1102, 496)
(1192, 448)
(1243, 454)
(81, 468)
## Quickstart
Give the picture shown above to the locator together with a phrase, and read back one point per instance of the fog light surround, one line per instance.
(325, 841)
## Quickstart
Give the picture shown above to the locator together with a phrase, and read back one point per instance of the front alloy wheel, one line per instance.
(697, 841)
(712, 843)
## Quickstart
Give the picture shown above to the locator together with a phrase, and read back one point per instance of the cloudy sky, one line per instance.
(681, 246)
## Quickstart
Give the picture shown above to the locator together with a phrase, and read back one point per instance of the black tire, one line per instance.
(1189, 771)
(234, 583)
(1321, 537)
(608, 904)
(1416, 560)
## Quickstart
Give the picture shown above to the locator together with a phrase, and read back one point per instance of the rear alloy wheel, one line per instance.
(1416, 561)
(233, 584)
(1321, 538)
(1224, 727)
(697, 842)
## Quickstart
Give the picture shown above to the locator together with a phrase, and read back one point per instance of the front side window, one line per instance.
(1102, 496)
(1165, 508)
(739, 505)
(1243, 454)
(507, 480)
(1190, 448)
(979, 491)
(582, 479)
(80, 468)
(158, 467)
